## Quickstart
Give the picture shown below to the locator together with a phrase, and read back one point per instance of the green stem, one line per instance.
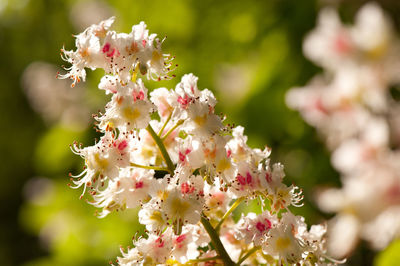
(203, 259)
(150, 167)
(219, 248)
(180, 122)
(232, 208)
(163, 150)
(165, 124)
(251, 251)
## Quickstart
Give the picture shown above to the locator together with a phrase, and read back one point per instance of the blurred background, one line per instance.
(248, 52)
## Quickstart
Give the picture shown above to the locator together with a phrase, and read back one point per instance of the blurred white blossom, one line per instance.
(351, 106)
(55, 100)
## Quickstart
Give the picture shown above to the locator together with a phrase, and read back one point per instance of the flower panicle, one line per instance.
(171, 155)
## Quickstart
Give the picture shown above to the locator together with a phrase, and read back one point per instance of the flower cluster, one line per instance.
(117, 53)
(168, 153)
(351, 105)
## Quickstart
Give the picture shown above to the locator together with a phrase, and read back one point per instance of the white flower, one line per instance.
(331, 42)
(254, 228)
(127, 191)
(372, 31)
(164, 100)
(154, 250)
(216, 200)
(131, 258)
(128, 111)
(102, 161)
(182, 208)
(283, 244)
(111, 84)
(185, 248)
(187, 88)
(355, 153)
(117, 53)
(201, 121)
(87, 54)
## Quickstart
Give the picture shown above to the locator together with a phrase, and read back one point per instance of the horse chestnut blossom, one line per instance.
(351, 105)
(169, 154)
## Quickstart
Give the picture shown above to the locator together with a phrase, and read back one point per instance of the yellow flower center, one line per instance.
(131, 114)
(156, 216)
(102, 163)
(162, 194)
(282, 243)
(223, 165)
(200, 120)
(179, 206)
(156, 56)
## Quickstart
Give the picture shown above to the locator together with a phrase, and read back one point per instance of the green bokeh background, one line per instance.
(254, 42)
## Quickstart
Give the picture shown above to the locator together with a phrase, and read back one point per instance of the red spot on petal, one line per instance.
(187, 188)
(268, 177)
(159, 242)
(139, 185)
(181, 238)
(182, 157)
(249, 178)
(122, 145)
(268, 222)
(260, 227)
(342, 43)
(106, 47)
(184, 101)
(241, 179)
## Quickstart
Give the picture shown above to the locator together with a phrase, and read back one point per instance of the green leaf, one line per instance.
(390, 256)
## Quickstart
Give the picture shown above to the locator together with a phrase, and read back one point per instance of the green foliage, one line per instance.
(390, 256)
(70, 229)
(52, 155)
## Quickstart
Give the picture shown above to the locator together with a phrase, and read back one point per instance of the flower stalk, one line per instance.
(248, 254)
(231, 209)
(219, 247)
(163, 150)
(150, 167)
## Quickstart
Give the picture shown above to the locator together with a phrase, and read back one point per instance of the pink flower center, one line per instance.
(179, 241)
(138, 95)
(159, 242)
(183, 101)
(181, 238)
(187, 188)
(249, 178)
(268, 177)
(244, 180)
(182, 156)
(342, 43)
(122, 145)
(241, 179)
(201, 193)
(260, 227)
(106, 47)
(139, 184)
(110, 52)
(268, 223)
